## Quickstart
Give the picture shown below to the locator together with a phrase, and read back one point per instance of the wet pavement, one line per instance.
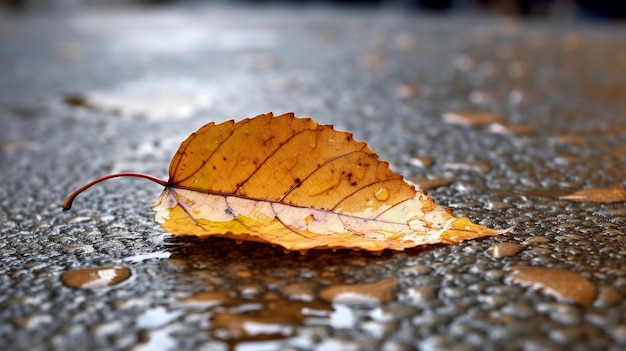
(505, 120)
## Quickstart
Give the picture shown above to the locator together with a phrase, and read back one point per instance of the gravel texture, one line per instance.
(86, 93)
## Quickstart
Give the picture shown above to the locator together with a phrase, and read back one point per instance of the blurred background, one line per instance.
(592, 9)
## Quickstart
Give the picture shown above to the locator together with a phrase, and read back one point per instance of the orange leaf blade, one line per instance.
(289, 181)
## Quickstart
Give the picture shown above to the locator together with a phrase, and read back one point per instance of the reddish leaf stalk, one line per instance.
(67, 204)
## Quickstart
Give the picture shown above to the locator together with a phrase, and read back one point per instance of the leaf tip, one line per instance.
(462, 229)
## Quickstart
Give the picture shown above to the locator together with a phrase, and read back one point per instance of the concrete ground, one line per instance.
(90, 92)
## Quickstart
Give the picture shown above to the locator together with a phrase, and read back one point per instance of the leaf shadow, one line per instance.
(252, 262)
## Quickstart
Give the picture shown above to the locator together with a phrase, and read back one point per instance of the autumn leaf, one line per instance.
(292, 182)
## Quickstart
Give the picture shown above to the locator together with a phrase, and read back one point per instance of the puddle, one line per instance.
(616, 193)
(565, 286)
(94, 278)
(293, 316)
(504, 249)
(151, 98)
(267, 318)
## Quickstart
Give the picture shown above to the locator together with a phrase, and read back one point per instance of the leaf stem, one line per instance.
(67, 204)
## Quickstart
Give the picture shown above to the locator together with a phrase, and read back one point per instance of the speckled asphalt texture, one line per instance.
(87, 93)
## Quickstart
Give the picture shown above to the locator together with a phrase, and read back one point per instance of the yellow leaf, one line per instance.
(292, 182)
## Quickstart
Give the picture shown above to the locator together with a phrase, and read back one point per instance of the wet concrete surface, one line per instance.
(87, 93)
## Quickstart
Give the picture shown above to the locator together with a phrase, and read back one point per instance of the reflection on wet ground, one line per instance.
(256, 296)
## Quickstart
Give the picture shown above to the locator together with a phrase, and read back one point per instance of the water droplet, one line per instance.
(511, 129)
(330, 182)
(245, 326)
(504, 249)
(157, 317)
(159, 339)
(239, 270)
(619, 334)
(569, 139)
(204, 300)
(415, 270)
(34, 321)
(405, 40)
(92, 278)
(392, 313)
(382, 194)
(343, 317)
(416, 222)
(565, 286)
(566, 159)
(536, 240)
(148, 98)
(480, 97)
(362, 294)
(374, 60)
(421, 162)
(148, 256)
(563, 314)
(359, 171)
(497, 205)
(463, 62)
(608, 296)
(299, 291)
(427, 184)
(18, 144)
(468, 166)
(313, 140)
(470, 119)
(78, 249)
(407, 90)
(244, 160)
